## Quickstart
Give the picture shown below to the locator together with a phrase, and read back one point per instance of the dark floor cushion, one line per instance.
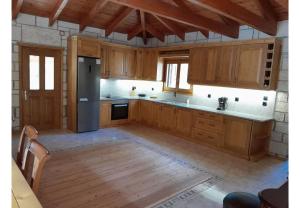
(241, 200)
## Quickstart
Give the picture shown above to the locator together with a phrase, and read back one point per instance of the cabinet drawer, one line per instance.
(205, 136)
(212, 125)
(210, 116)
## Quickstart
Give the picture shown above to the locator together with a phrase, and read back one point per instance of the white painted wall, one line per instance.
(34, 29)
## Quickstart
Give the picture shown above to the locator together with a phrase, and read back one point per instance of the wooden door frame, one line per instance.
(21, 100)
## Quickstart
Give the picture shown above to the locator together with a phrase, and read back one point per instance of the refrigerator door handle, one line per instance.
(83, 99)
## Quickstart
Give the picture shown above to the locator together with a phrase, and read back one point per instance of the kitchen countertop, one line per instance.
(195, 107)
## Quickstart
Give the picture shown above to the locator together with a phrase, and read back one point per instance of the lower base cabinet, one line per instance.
(242, 137)
(105, 114)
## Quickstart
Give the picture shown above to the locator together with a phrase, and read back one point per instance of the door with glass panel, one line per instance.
(41, 87)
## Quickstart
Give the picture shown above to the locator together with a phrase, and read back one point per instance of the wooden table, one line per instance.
(22, 195)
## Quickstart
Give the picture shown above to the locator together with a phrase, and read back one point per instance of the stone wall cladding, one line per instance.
(34, 29)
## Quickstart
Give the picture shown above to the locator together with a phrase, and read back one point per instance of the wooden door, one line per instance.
(130, 66)
(116, 62)
(168, 117)
(89, 47)
(105, 114)
(225, 74)
(237, 135)
(197, 65)
(250, 65)
(139, 64)
(183, 121)
(134, 110)
(203, 63)
(104, 69)
(150, 64)
(41, 87)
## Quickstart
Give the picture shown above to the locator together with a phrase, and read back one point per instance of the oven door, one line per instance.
(119, 111)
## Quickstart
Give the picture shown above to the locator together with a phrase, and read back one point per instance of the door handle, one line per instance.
(25, 95)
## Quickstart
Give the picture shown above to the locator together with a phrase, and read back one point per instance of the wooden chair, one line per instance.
(28, 133)
(35, 157)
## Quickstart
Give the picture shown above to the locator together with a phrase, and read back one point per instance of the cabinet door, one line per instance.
(134, 110)
(130, 66)
(225, 74)
(156, 111)
(237, 135)
(104, 69)
(89, 47)
(139, 64)
(105, 114)
(150, 64)
(116, 62)
(146, 112)
(183, 121)
(197, 65)
(213, 57)
(250, 65)
(168, 117)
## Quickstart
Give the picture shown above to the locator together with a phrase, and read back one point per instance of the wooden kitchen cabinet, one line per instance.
(167, 119)
(184, 120)
(105, 114)
(139, 63)
(116, 62)
(134, 110)
(225, 73)
(88, 47)
(104, 69)
(152, 65)
(130, 63)
(203, 63)
(237, 135)
(250, 65)
(146, 112)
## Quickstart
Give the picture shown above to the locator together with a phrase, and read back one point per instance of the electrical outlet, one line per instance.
(236, 99)
(264, 103)
(209, 95)
(265, 98)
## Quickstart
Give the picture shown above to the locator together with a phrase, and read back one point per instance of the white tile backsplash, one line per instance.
(250, 101)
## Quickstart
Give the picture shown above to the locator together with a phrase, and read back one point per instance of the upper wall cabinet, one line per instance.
(250, 66)
(203, 64)
(152, 65)
(244, 65)
(104, 69)
(225, 71)
(88, 47)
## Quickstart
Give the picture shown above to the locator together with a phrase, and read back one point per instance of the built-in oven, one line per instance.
(119, 110)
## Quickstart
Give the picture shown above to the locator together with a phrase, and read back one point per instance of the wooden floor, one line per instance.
(116, 173)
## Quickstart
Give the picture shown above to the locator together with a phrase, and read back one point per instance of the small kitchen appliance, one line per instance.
(222, 103)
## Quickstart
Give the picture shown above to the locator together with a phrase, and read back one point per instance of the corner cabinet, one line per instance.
(152, 65)
(252, 65)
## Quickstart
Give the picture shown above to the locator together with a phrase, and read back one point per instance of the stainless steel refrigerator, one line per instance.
(88, 94)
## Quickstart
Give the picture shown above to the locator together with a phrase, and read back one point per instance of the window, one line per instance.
(34, 72)
(176, 75)
(49, 73)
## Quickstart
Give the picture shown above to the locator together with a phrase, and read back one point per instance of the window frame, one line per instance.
(178, 61)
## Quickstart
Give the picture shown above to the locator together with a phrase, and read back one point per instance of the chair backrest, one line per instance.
(28, 133)
(34, 159)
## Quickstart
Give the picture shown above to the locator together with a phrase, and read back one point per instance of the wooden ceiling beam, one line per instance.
(175, 13)
(186, 9)
(266, 9)
(283, 3)
(117, 20)
(171, 26)
(16, 8)
(153, 31)
(99, 5)
(143, 23)
(59, 6)
(134, 32)
(239, 14)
